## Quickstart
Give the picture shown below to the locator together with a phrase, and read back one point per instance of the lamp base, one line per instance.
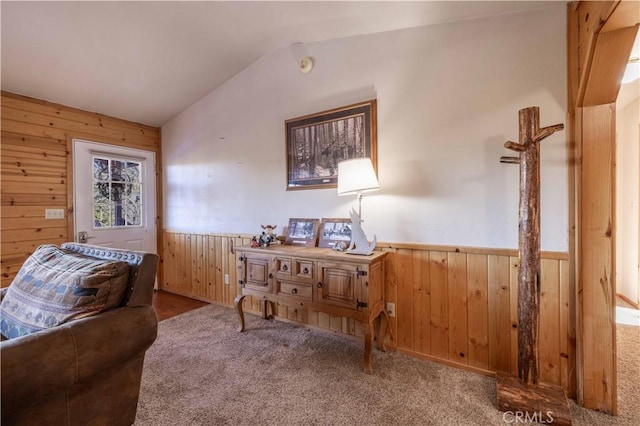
(359, 254)
(359, 243)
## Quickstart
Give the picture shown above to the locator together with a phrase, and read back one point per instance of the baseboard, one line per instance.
(466, 367)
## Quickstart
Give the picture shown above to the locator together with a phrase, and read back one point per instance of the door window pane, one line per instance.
(102, 215)
(100, 169)
(100, 193)
(133, 214)
(132, 172)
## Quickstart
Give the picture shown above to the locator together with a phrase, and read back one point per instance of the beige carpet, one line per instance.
(201, 371)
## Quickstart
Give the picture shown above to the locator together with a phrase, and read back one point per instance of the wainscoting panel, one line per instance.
(455, 305)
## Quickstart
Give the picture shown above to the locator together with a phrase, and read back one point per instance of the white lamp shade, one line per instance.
(356, 176)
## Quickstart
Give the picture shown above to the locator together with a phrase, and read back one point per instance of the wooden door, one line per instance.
(114, 196)
(255, 273)
(340, 284)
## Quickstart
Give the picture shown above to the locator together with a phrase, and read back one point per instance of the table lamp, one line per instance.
(357, 176)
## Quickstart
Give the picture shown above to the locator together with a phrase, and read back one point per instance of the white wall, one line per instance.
(627, 194)
(448, 98)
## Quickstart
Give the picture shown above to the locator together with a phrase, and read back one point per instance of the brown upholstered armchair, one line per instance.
(86, 371)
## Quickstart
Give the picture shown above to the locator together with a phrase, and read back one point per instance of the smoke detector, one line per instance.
(306, 64)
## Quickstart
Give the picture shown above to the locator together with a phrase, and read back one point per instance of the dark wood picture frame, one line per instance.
(334, 230)
(316, 143)
(302, 232)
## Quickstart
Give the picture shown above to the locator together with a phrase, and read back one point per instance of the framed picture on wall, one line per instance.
(302, 232)
(333, 231)
(316, 143)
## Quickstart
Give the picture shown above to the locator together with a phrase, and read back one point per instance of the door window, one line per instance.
(117, 192)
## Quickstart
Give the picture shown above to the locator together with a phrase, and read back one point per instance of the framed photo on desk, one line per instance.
(302, 232)
(334, 230)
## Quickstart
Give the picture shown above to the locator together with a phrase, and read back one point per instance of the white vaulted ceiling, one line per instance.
(148, 61)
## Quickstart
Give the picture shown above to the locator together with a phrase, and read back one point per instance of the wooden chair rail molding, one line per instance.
(454, 305)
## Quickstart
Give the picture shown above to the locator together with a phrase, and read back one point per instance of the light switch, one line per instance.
(54, 213)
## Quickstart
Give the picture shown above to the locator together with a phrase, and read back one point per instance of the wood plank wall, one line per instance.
(453, 305)
(35, 152)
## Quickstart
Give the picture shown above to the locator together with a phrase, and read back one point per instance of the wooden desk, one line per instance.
(319, 279)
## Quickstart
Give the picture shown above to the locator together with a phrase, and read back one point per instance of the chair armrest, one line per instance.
(51, 360)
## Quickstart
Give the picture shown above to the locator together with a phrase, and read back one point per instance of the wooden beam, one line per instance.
(626, 14)
(598, 35)
(610, 59)
(596, 287)
(591, 17)
(573, 55)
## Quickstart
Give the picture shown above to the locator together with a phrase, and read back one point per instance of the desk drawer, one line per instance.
(304, 270)
(283, 266)
(301, 291)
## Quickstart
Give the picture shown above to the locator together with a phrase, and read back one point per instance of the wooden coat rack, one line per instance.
(525, 393)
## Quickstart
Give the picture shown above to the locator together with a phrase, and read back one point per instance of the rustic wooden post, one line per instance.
(527, 395)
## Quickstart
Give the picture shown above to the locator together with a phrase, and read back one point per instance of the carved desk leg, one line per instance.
(238, 305)
(368, 345)
(264, 307)
(382, 323)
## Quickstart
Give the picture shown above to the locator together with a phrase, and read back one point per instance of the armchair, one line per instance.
(86, 371)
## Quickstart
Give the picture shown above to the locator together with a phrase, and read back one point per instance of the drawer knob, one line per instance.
(285, 267)
(270, 276)
(320, 285)
(305, 270)
(294, 291)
